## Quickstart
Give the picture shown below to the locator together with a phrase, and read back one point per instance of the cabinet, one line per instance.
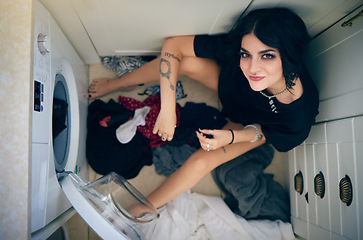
(335, 63)
(334, 149)
(120, 27)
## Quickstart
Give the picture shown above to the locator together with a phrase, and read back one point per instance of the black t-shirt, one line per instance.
(284, 125)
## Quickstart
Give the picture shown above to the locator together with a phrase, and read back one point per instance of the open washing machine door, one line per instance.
(111, 206)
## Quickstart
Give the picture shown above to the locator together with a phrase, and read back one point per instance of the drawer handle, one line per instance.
(346, 190)
(319, 185)
(299, 182)
(350, 21)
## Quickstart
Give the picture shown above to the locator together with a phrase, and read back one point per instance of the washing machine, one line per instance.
(59, 166)
(60, 102)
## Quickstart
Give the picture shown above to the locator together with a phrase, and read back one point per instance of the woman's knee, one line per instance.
(200, 163)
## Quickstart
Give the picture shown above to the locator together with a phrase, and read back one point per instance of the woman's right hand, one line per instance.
(165, 124)
(216, 139)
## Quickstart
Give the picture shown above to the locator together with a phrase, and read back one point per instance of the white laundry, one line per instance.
(192, 216)
(266, 229)
(127, 131)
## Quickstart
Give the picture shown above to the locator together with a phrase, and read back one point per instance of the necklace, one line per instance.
(269, 97)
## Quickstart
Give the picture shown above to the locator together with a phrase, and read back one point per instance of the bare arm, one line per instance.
(221, 138)
(173, 51)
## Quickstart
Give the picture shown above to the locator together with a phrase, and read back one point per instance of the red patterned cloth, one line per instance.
(154, 103)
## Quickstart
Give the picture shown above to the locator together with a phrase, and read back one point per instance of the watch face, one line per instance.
(259, 137)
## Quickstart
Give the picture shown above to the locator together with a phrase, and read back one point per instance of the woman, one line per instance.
(258, 72)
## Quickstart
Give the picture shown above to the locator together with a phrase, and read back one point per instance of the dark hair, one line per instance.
(279, 28)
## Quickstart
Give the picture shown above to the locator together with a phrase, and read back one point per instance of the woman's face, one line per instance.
(261, 65)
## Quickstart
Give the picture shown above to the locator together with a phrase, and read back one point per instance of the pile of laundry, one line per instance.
(120, 137)
(122, 65)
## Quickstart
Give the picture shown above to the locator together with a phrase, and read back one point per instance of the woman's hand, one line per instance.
(165, 125)
(213, 139)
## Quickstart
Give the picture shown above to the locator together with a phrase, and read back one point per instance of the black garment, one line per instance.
(200, 115)
(169, 157)
(192, 117)
(285, 127)
(60, 111)
(104, 152)
(259, 196)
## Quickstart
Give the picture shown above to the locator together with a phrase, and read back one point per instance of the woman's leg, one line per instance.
(195, 168)
(205, 71)
(146, 73)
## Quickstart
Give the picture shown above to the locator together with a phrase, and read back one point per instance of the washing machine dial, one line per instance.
(43, 43)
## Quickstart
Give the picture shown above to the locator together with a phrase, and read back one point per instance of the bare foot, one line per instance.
(102, 86)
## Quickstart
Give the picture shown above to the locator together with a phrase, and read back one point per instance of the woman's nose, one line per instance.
(255, 66)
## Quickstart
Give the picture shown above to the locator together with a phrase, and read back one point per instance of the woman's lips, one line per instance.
(256, 78)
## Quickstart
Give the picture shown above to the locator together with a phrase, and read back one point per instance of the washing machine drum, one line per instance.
(60, 123)
(111, 206)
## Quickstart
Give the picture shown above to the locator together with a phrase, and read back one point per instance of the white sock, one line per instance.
(127, 131)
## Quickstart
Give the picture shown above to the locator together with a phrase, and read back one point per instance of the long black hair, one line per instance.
(278, 28)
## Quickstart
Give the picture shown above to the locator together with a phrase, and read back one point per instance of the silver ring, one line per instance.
(208, 145)
(169, 138)
(211, 131)
(207, 149)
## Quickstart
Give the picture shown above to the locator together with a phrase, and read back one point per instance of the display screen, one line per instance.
(38, 96)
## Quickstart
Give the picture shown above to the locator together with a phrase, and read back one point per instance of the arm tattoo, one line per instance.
(172, 55)
(224, 150)
(166, 73)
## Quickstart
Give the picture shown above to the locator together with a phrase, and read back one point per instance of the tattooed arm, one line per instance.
(165, 70)
(173, 51)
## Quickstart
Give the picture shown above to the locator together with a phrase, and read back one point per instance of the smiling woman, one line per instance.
(261, 65)
(273, 93)
(287, 35)
(266, 93)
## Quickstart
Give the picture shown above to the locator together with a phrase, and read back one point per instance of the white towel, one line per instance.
(192, 216)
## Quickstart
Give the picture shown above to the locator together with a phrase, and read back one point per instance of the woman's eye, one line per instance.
(244, 54)
(268, 56)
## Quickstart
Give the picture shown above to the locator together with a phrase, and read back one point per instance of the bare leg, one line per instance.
(196, 167)
(148, 72)
(203, 70)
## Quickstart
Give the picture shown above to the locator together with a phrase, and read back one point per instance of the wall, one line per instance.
(15, 89)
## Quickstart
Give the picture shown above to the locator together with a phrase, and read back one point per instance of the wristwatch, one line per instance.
(258, 135)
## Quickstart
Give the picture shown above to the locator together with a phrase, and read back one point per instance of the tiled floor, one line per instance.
(196, 93)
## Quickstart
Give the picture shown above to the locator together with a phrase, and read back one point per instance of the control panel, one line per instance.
(42, 101)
